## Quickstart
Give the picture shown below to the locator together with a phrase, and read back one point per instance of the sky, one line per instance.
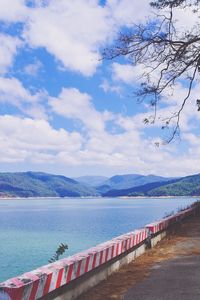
(64, 110)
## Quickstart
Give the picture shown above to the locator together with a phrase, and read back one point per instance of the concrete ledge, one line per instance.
(84, 283)
(70, 277)
(156, 239)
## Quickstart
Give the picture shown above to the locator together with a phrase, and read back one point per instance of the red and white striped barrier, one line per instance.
(163, 224)
(36, 284)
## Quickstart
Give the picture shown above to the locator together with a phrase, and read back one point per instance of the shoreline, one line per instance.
(97, 197)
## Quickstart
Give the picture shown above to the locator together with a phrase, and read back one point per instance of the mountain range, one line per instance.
(119, 182)
(39, 184)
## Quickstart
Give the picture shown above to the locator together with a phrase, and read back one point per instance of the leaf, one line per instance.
(60, 251)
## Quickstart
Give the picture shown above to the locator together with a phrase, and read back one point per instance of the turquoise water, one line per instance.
(31, 229)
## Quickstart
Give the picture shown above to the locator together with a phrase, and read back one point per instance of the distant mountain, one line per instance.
(37, 184)
(91, 180)
(185, 186)
(119, 182)
(141, 190)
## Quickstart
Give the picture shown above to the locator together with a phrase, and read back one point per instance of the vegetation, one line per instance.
(186, 186)
(119, 182)
(142, 190)
(37, 184)
(60, 251)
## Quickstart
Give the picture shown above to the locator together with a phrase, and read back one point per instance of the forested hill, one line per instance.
(37, 184)
(186, 186)
(128, 181)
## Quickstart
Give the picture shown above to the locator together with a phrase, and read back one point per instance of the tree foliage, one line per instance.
(60, 251)
(166, 54)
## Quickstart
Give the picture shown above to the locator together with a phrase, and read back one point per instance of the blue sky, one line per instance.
(65, 111)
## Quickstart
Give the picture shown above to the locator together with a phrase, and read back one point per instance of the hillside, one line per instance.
(37, 184)
(92, 180)
(142, 190)
(186, 186)
(128, 181)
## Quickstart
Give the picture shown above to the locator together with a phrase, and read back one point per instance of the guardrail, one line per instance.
(42, 281)
(171, 220)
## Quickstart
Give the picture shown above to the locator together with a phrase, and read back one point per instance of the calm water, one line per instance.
(31, 229)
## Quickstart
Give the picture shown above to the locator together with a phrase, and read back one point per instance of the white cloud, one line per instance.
(123, 150)
(34, 140)
(107, 87)
(186, 19)
(11, 89)
(73, 104)
(125, 73)
(33, 69)
(13, 92)
(189, 117)
(133, 74)
(8, 49)
(128, 12)
(74, 31)
(13, 10)
(71, 31)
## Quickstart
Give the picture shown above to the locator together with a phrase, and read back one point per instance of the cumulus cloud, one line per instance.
(127, 149)
(180, 16)
(71, 31)
(128, 12)
(13, 10)
(133, 74)
(13, 92)
(73, 104)
(36, 141)
(126, 73)
(8, 49)
(74, 31)
(100, 146)
(107, 87)
(33, 69)
(27, 139)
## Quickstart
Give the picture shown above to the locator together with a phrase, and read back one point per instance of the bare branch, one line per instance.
(167, 56)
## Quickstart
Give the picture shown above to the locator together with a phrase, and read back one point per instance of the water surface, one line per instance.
(31, 229)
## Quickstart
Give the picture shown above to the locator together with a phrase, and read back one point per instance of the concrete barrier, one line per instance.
(68, 278)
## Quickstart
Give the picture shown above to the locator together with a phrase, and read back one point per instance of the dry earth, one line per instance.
(184, 241)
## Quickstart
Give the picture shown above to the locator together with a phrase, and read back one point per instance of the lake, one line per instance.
(32, 229)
